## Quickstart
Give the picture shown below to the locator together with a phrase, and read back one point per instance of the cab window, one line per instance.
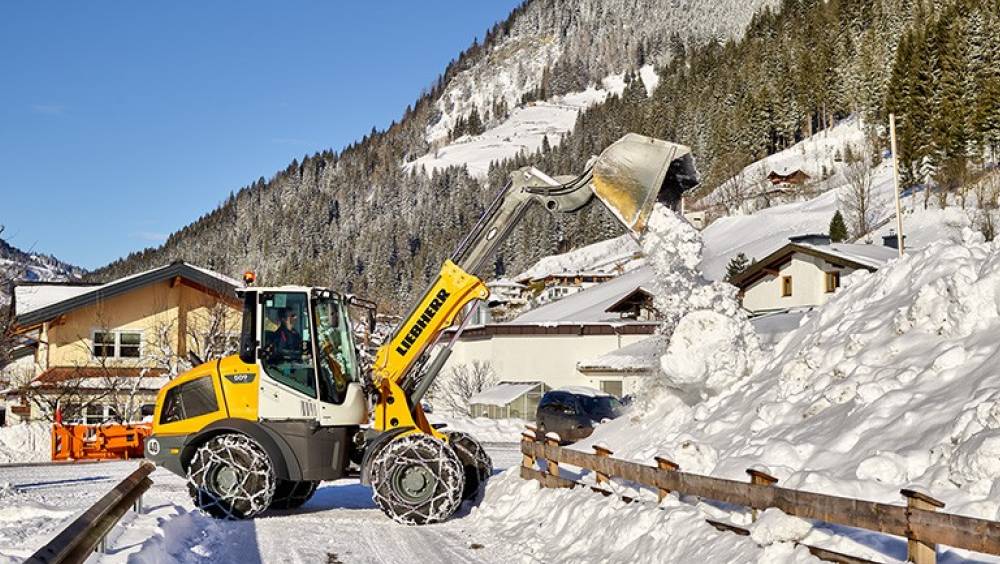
(287, 351)
(335, 349)
(188, 400)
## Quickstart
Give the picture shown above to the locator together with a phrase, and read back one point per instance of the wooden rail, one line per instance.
(81, 537)
(919, 521)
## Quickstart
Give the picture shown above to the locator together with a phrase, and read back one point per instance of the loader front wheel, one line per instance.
(231, 477)
(476, 463)
(417, 479)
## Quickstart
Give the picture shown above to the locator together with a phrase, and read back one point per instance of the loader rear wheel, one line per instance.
(417, 479)
(291, 494)
(231, 477)
(476, 463)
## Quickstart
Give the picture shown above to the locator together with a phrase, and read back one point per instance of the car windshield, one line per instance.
(602, 406)
(335, 349)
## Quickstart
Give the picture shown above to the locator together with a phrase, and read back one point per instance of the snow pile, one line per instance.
(27, 442)
(892, 384)
(556, 525)
(482, 429)
(711, 343)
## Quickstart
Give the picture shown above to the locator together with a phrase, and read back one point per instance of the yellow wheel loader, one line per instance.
(261, 429)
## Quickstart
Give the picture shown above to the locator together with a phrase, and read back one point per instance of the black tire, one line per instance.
(231, 477)
(476, 463)
(417, 479)
(290, 494)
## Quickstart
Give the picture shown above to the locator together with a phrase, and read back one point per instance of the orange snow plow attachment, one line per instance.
(98, 442)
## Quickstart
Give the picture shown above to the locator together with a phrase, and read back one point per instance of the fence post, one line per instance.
(664, 464)
(917, 551)
(552, 440)
(527, 460)
(602, 452)
(760, 478)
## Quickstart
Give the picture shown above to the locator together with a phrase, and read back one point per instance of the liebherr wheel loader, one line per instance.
(262, 428)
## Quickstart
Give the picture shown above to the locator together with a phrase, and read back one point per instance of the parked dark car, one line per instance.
(572, 413)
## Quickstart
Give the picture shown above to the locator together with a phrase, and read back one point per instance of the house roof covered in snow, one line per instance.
(590, 305)
(503, 394)
(848, 255)
(35, 303)
(639, 356)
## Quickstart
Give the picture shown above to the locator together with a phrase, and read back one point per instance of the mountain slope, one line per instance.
(16, 264)
(364, 221)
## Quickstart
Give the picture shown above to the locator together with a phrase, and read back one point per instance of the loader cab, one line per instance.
(301, 339)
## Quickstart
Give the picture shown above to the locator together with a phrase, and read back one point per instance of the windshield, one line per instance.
(334, 349)
(602, 406)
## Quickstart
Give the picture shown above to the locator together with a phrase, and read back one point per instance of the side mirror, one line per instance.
(371, 321)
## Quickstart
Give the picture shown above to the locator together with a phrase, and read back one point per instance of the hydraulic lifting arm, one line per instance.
(629, 177)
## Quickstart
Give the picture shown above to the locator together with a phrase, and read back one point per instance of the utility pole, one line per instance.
(895, 182)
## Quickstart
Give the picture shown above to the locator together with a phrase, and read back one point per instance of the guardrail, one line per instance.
(85, 534)
(919, 521)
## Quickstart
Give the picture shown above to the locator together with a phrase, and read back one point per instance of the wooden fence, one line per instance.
(919, 521)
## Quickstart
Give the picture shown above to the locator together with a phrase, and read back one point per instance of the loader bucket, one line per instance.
(636, 171)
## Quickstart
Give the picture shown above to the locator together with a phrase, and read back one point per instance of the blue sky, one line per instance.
(121, 122)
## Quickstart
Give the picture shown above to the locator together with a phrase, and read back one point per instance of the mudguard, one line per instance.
(285, 462)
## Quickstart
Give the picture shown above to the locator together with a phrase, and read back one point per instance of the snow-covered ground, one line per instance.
(339, 524)
(28, 442)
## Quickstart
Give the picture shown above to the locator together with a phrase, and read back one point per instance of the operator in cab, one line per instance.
(286, 341)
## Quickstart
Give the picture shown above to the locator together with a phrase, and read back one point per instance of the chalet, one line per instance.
(806, 272)
(104, 350)
(558, 285)
(620, 372)
(546, 344)
(788, 177)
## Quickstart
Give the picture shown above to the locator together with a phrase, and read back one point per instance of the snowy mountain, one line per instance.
(562, 46)
(16, 265)
(550, 86)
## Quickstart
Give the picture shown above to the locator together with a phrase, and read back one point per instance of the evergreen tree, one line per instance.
(736, 266)
(838, 229)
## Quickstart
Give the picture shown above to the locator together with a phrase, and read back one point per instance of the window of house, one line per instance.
(832, 281)
(117, 344)
(786, 286)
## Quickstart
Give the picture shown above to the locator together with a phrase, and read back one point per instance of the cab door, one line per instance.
(288, 388)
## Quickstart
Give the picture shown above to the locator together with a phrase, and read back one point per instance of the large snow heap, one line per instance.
(892, 383)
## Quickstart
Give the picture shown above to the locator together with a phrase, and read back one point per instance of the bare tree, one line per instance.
(729, 173)
(461, 383)
(212, 333)
(8, 273)
(861, 205)
(987, 192)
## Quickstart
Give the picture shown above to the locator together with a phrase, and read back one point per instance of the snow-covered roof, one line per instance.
(851, 255)
(503, 394)
(638, 356)
(772, 327)
(29, 297)
(55, 300)
(591, 304)
(504, 283)
(875, 256)
(603, 256)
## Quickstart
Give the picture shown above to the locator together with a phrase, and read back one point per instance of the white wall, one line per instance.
(545, 358)
(808, 285)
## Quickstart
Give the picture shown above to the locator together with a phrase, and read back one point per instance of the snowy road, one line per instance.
(339, 525)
